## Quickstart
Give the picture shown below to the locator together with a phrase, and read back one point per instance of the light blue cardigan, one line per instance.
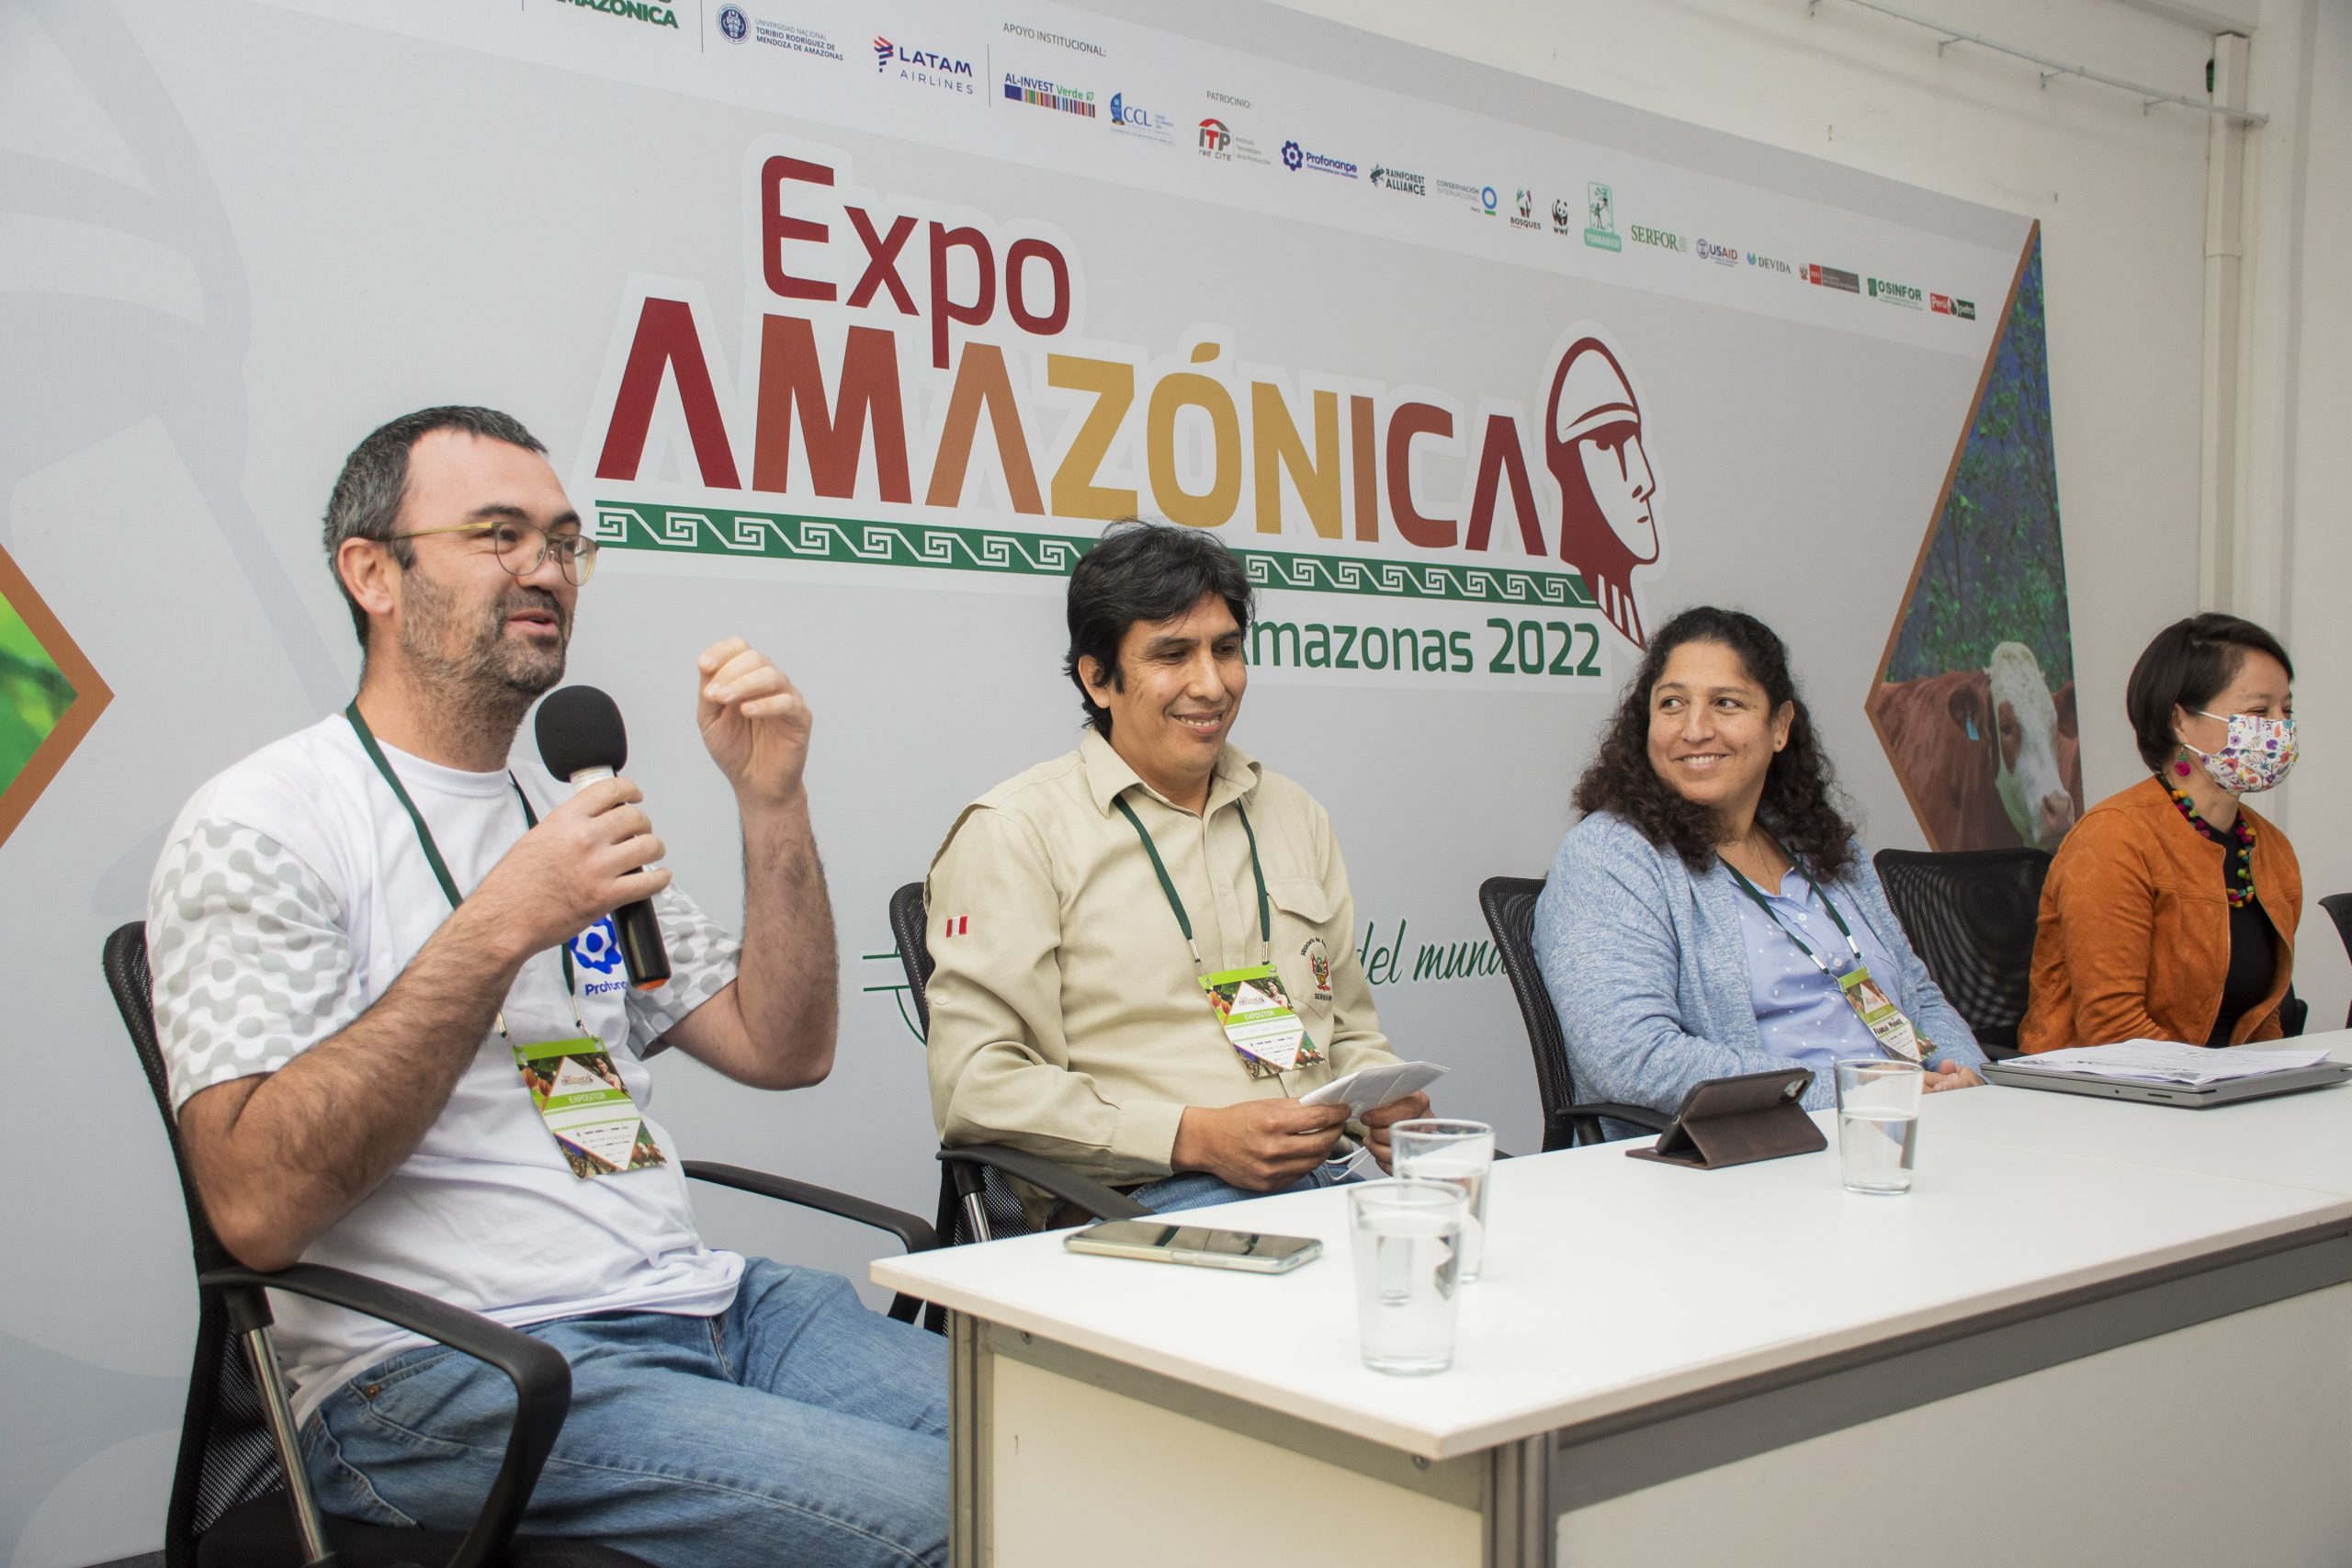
(1647, 967)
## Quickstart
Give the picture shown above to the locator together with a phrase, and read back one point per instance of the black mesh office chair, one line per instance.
(1509, 904)
(976, 1202)
(1970, 915)
(2339, 910)
(239, 1495)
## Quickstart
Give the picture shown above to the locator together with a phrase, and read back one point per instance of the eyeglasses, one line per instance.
(509, 540)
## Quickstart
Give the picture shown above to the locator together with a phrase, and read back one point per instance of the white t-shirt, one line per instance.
(291, 893)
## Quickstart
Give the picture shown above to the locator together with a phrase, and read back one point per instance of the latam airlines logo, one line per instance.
(1722, 256)
(923, 67)
(1901, 294)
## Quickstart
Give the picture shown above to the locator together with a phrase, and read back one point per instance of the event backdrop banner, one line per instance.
(851, 327)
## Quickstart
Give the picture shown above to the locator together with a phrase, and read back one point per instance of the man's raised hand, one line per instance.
(753, 720)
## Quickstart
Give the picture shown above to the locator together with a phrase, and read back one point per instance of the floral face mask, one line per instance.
(2255, 757)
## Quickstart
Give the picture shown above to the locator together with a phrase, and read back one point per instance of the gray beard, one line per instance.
(477, 696)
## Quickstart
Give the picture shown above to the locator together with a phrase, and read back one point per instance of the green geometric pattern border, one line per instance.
(631, 525)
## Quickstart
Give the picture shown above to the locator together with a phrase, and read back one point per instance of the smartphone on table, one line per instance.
(1161, 1241)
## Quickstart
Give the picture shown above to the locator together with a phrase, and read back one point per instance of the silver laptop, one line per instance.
(2195, 1097)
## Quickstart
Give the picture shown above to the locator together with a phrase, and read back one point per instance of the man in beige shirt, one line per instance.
(1068, 1015)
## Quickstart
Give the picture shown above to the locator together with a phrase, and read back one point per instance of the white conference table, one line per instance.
(2094, 1333)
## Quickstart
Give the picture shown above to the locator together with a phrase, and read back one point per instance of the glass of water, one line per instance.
(1408, 1252)
(1878, 1123)
(1462, 1153)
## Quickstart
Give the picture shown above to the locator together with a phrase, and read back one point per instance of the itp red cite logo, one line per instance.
(1593, 445)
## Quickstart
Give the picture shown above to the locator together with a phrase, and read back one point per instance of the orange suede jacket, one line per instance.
(2133, 940)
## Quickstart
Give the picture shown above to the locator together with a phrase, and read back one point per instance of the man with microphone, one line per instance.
(388, 1053)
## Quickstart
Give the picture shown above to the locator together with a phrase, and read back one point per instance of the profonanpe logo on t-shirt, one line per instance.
(597, 950)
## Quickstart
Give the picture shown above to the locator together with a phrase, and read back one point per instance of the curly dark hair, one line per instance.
(1802, 805)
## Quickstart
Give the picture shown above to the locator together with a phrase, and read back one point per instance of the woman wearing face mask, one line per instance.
(2170, 910)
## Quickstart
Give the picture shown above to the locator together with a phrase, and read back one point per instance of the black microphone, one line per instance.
(581, 739)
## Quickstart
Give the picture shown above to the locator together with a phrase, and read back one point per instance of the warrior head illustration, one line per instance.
(1593, 444)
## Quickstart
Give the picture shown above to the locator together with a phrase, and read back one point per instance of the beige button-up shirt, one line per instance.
(1065, 1016)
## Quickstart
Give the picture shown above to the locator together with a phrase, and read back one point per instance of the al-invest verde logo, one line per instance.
(918, 404)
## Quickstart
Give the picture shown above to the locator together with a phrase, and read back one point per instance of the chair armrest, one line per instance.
(1040, 1172)
(1560, 1128)
(914, 1234)
(541, 1377)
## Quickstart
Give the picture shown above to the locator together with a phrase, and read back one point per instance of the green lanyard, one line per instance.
(1183, 920)
(433, 851)
(1843, 930)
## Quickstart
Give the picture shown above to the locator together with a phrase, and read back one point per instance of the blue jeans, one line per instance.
(795, 1427)
(1199, 1189)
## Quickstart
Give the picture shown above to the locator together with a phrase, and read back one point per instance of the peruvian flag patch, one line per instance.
(957, 925)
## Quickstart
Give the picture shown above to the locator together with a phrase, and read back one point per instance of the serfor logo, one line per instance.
(1293, 157)
(1600, 218)
(733, 25)
(1663, 238)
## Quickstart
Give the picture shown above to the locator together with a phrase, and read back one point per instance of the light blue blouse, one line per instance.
(1800, 1013)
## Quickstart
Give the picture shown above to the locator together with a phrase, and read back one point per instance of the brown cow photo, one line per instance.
(1989, 758)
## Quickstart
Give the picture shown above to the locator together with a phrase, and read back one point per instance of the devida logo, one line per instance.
(1593, 445)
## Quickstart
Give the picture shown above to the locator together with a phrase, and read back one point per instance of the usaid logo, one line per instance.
(1722, 256)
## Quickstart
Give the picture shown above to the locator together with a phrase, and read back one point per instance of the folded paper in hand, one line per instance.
(1369, 1087)
(2168, 1062)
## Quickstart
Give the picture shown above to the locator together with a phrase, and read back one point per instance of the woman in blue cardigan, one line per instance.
(1713, 911)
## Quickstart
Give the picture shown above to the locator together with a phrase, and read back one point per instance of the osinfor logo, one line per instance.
(1901, 294)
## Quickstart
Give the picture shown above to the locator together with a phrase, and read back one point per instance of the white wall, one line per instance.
(2304, 209)
(2120, 195)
